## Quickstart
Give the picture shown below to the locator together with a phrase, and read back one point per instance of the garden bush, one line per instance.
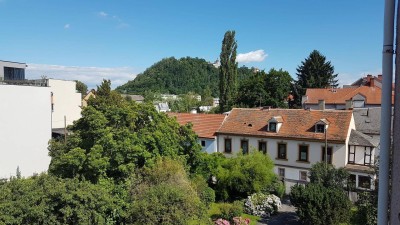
(263, 205)
(228, 211)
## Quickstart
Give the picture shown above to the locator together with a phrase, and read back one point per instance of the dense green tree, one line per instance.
(228, 72)
(252, 91)
(323, 200)
(115, 136)
(315, 72)
(328, 176)
(264, 89)
(319, 205)
(367, 201)
(244, 175)
(278, 84)
(81, 87)
(163, 194)
(46, 199)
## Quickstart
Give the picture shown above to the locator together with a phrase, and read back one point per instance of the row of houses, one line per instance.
(339, 126)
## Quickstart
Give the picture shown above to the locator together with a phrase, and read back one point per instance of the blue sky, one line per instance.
(92, 40)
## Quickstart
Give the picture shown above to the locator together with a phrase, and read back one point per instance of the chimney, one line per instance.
(380, 76)
(321, 104)
(372, 82)
(369, 77)
(349, 104)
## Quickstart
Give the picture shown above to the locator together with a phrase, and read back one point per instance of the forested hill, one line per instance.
(175, 76)
(179, 76)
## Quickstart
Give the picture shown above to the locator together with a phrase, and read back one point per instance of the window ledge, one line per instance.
(281, 159)
(300, 161)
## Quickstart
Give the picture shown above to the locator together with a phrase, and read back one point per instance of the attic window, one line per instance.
(320, 128)
(272, 126)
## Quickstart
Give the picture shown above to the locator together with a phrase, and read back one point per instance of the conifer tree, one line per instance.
(315, 72)
(228, 72)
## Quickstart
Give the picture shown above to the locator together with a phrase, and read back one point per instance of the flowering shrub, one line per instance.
(236, 221)
(241, 221)
(260, 204)
(221, 222)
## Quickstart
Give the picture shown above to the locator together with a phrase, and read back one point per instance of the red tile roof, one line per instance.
(340, 95)
(297, 123)
(205, 125)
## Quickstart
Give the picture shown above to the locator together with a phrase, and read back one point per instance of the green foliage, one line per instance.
(49, 200)
(228, 211)
(175, 76)
(315, 72)
(206, 194)
(115, 136)
(163, 194)
(278, 83)
(328, 176)
(184, 103)
(228, 72)
(244, 175)
(264, 89)
(276, 187)
(367, 203)
(323, 200)
(319, 205)
(81, 88)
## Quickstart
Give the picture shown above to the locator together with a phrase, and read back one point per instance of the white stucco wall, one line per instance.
(25, 129)
(67, 102)
(292, 165)
(210, 145)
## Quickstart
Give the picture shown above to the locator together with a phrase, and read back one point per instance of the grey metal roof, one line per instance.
(368, 120)
(359, 139)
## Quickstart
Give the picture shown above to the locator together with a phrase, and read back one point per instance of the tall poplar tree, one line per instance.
(315, 72)
(228, 72)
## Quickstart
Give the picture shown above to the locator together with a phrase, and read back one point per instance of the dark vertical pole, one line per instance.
(385, 132)
(394, 218)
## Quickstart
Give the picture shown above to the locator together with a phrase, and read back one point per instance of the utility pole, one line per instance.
(386, 112)
(395, 194)
(326, 145)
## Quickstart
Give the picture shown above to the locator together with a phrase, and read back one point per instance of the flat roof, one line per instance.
(13, 62)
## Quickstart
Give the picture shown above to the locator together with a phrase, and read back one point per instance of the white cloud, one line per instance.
(102, 14)
(91, 76)
(67, 26)
(253, 56)
(120, 23)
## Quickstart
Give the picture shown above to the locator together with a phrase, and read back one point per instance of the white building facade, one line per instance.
(293, 139)
(66, 102)
(25, 129)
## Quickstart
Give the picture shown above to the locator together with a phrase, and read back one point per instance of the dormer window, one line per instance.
(321, 126)
(274, 124)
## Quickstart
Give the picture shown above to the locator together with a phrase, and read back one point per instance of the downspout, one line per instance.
(395, 194)
(385, 131)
